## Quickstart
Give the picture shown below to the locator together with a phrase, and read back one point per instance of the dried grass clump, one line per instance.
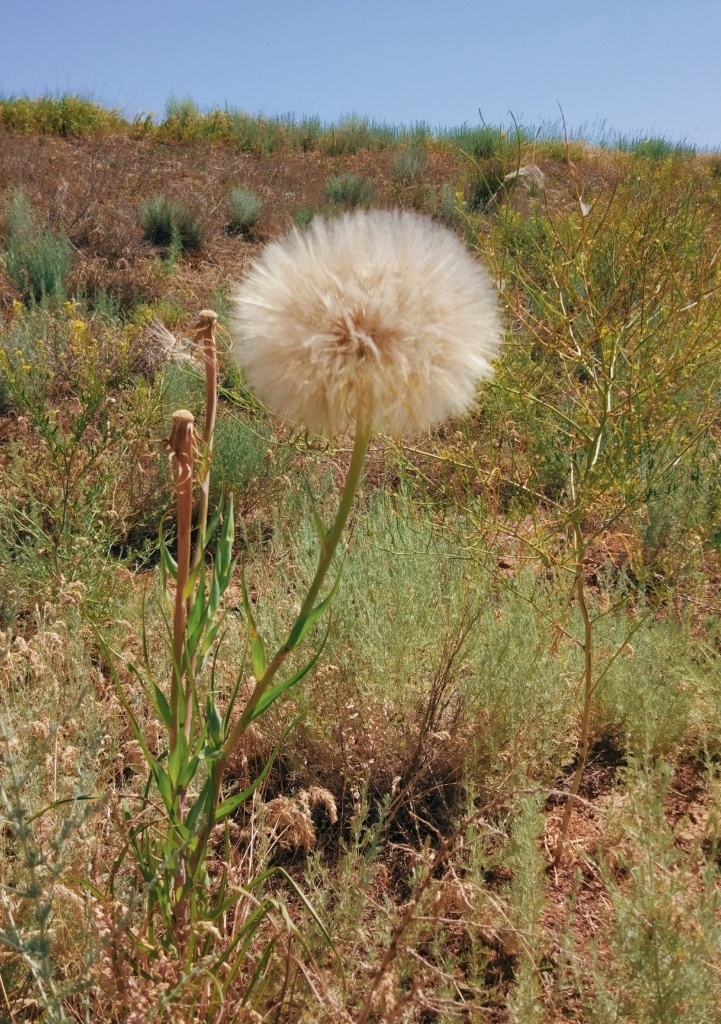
(288, 823)
(289, 820)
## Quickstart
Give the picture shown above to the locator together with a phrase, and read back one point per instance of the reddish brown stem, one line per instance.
(181, 446)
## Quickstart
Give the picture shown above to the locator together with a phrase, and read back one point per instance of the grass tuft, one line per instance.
(350, 191)
(165, 221)
(244, 207)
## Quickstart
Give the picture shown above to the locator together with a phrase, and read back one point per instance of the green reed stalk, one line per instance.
(329, 544)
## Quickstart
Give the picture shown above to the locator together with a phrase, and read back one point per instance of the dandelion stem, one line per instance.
(352, 480)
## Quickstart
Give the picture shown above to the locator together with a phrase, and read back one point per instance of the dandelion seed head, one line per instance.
(380, 312)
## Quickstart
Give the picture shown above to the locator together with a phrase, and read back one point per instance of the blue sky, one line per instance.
(639, 66)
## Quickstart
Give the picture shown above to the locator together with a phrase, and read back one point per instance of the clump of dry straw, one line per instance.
(379, 316)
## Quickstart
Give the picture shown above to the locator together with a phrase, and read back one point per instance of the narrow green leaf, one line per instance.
(272, 695)
(317, 521)
(176, 761)
(188, 773)
(213, 719)
(168, 565)
(304, 623)
(210, 637)
(213, 597)
(326, 934)
(195, 811)
(245, 935)
(162, 706)
(164, 788)
(213, 524)
(257, 648)
(197, 612)
(228, 806)
(258, 973)
(161, 779)
(234, 696)
(198, 571)
(66, 800)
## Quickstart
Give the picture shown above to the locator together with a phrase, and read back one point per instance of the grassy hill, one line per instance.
(529, 603)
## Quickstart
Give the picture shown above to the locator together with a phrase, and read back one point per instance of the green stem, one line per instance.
(352, 480)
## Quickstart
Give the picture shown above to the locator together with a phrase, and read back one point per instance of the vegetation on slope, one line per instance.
(561, 540)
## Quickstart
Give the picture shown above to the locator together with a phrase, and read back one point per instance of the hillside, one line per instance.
(529, 604)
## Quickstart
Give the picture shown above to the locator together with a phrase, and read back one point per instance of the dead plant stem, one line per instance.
(181, 447)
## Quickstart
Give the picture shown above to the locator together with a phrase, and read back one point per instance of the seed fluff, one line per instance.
(379, 315)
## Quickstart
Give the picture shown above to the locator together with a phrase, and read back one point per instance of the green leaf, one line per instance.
(257, 648)
(176, 761)
(317, 521)
(161, 779)
(233, 697)
(304, 622)
(188, 773)
(228, 806)
(245, 935)
(155, 697)
(194, 814)
(326, 934)
(272, 695)
(224, 553)
(197, 614)
(213, 524)
(168, 565)
(215, 722)
(66, 800)
(213, 596)
(163, 706)
(210, 637)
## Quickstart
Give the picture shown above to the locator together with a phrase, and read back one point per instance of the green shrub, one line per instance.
(448, 209)
(37, 259)
(304, 215)
(408, 165)
(527, 900)
(238, 454)
(62, 115)
(656, 951)
(490, 176)
(183, 110)
(161, 217)
(350, 191)
(244, 207)
(484, 143)
(64, 484)
(651, 147)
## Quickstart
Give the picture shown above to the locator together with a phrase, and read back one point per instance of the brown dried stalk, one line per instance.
(180, 442)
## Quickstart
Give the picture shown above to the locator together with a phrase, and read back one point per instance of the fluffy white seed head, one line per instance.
(378, 312)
